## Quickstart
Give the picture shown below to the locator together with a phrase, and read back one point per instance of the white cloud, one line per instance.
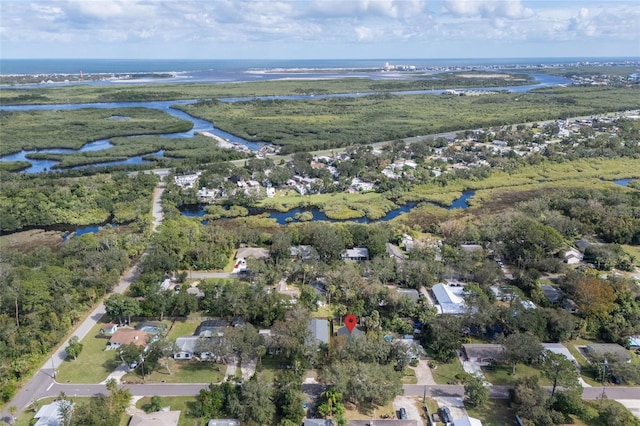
(510, 9)
(455, 27)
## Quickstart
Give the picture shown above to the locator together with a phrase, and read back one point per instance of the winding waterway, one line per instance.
(284, 218)
(199, 125)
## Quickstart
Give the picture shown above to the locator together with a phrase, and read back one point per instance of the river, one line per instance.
(284, 218)
(199, 125)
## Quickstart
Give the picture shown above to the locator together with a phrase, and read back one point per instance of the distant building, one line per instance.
(223, 422)
(572, 256)
(357, 254)
(344, 331)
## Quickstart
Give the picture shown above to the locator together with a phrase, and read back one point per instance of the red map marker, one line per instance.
(350, 321)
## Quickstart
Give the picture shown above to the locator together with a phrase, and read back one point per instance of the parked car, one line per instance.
(445, 415)
(403, 414)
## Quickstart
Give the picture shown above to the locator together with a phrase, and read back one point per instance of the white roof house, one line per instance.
(49, 415)
(449, 299)
(573, 256)
(356, 254)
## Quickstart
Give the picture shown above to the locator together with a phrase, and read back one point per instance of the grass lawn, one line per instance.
(181, 403)
(446, 373)
(322, 312)
(269, 366)
(496, 412)
(182, 328)
(501, 374)
(432, 406)
(409, 377)
(181, 372)
(632, 251)
(370, 411)
(231, 263)
(93, 365)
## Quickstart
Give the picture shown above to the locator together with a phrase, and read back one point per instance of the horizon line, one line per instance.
(324, 58)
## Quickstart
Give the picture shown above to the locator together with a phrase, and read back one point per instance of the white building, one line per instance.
(449, 299)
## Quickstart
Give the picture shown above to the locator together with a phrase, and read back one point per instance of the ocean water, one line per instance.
(195, 70)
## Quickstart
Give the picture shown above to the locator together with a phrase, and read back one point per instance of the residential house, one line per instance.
(108, 329)
(559, 348)
(186, 181)
(49, 415)
(412, 293)
(358, 185)
(318, 422)
(394, 252)
(356, 254)
(552, 293)
(254, 252)
(344, 331)
(572, 256)
(449, 299)
(319, 330)
(600, 351)
(303, 252)
(157, 418)
(467, 421)
(634, 342)
(414, 349)
(470, 248)
(211, 328)
(223, 422)
(127, 336)
(484, 353)
(188, 347)
(383, 422)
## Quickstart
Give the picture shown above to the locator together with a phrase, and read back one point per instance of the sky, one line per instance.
(318, 29)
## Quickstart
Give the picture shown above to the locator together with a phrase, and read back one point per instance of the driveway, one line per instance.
(410, 404)
(559, 348)
(632, 405)
(455, 404)
(473, 368)
(423, 373)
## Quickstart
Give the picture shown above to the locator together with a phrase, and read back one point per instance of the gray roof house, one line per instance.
(157, 418)
(319, 330)
(599, 351)
(484, 353)
(344, 331)
(318, 422)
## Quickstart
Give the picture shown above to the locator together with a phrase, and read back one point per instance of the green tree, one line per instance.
(561, 371)
(522, 347)
(441, 334)
(612, 413)
(74, 348)
(154, 405)
(475, 392)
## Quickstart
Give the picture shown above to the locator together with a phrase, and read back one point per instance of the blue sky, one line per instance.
(307, 29)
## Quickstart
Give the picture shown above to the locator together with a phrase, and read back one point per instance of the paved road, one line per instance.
(42, 383)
